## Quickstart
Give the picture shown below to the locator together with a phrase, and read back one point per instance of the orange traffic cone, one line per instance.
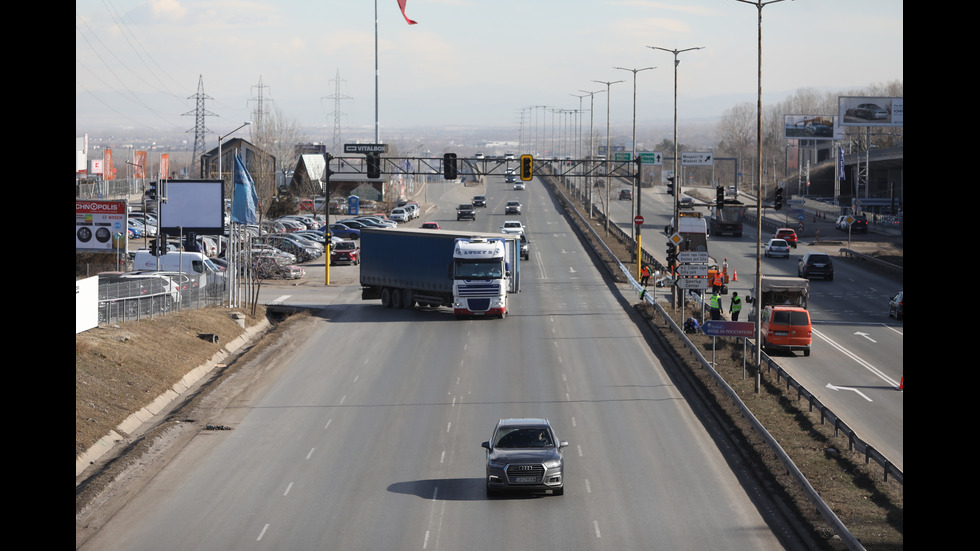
(734, 274)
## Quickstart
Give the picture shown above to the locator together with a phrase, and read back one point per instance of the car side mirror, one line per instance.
(486, 445)
(563, 444)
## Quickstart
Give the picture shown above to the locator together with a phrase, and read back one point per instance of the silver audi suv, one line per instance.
(525, 454)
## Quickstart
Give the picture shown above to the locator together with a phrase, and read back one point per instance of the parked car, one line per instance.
(787, 234)
(378, 221)
(269, 267)
(777, 248)
(625, 195)
(525, 454)
(786, 328)
(479, 201)
(430, 226)
(815, 264)
(896, 306)
(342, 231)
(400, 214)
(345, 252)
(512, 207)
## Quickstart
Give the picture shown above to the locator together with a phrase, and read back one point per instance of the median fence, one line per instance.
(769, 366)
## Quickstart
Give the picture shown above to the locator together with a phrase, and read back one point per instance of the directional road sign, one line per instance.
(692, 283)
(693, 270)
(696, 257)
(694, 158)
(721, 328)
(651, 157)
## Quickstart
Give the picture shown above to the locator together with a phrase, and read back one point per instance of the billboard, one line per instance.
(100, 225)
(811, 127)
(869, 111)
(193, 206)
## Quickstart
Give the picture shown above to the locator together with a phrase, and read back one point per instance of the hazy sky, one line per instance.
(467, 62)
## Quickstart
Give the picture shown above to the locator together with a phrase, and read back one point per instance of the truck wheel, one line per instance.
(407, 300)
(396, 298)
(386, 297)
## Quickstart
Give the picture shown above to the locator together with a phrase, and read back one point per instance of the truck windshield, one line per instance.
(478, 270)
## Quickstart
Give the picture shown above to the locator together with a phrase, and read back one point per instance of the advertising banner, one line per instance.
(100, 225)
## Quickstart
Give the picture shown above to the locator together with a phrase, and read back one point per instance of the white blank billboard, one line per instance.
(193, 206)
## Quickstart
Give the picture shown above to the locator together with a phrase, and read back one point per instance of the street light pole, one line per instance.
(758, 200)
(591, 141)
(608, 151)
(677, 181)
(634, 204)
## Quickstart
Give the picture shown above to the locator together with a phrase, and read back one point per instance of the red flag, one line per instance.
(401, 4)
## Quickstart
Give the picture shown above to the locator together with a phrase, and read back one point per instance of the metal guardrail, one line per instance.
(826, 414)
(132, 299)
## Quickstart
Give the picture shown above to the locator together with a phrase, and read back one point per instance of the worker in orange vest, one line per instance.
(718, 282)
(645, 275)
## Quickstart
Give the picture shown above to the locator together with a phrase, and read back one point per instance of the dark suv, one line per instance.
(479, 201)
(525, 454)
(465, 210)
(816, 265)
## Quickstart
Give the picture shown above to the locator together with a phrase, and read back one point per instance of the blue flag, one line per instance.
(245, 200)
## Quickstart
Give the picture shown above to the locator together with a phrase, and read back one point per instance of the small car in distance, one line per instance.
(525, 454)
(430, 226)
(815, 264)
(686, 203)
(896, 306)
(777, 248)
(512, 226)
(479, 201)
(788, 234)
(519, 186)
(512, 207)
(625, 195)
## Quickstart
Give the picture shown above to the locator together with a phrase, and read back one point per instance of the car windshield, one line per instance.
(523, 437)
(777, 243)
(345, 247)
(819, 259)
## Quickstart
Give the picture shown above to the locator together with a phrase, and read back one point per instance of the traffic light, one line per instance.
(527, 167)
(720, 196)
(153, 247)
(671, 255)
(449, 170)
(373, 165)
(670, 185)
(778, 203)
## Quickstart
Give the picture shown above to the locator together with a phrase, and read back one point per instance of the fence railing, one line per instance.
(129, 299)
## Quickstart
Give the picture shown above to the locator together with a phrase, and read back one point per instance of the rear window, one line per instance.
(820, 258)
(790, 317)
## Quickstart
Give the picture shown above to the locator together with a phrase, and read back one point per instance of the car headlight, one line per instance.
(554, 464)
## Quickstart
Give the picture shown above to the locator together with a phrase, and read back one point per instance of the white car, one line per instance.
(512, 226)
(777, 248)
(400, 215)
(519, 186)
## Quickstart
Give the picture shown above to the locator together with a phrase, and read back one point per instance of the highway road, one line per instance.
(857, 359)
(368, 437)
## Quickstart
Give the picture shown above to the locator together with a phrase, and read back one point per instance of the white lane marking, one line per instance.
(874, 370)
(262, 533)
(280, 299)
(833, 387)
(286, 493)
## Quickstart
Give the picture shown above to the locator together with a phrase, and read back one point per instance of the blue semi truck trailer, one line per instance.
(474, 273)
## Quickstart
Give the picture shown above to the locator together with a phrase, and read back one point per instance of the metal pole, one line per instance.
(758, 222)
(636, 189)
(608, 150)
